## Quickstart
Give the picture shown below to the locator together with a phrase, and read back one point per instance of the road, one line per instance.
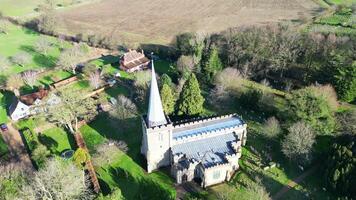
(18, 153)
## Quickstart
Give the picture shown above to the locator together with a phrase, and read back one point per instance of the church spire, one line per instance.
(156, 115)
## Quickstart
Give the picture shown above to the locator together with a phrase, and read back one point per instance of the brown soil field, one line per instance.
(158, 21)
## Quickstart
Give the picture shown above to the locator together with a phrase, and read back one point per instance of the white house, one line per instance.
(205, 149)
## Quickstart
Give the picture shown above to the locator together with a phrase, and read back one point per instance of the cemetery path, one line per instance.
(294, 182)
(18, 152)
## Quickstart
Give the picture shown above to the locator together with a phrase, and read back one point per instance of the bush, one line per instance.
(31, 139)
(271, 127)
(251, 98)
(40, 154)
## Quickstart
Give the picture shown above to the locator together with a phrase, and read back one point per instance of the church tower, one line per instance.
(157, 130)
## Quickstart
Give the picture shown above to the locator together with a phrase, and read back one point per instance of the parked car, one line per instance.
(3, 127)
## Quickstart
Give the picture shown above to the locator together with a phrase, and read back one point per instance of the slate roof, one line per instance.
(132, 59)
(208, 126)
(209, 151)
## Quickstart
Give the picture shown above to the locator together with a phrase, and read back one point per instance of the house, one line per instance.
(31, 104)
(206, 150)
(133, 61)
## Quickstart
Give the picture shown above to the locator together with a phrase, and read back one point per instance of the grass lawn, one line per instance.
(20, 39)
(338, 2)
(127, 171)
(53, 76)
(57, 140)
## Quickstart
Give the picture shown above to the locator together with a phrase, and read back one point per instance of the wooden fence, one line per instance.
(89, 165)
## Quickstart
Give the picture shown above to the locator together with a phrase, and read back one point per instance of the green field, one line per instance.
(19, 7)
(20, 39)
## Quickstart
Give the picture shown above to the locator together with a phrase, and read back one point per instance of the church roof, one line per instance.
(155, 115)
(206, 127)
(209, 151)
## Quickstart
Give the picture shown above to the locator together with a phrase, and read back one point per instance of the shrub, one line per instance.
(80, 157)
(251, 98)
(271, 127)
(40, 154)
(31, 139)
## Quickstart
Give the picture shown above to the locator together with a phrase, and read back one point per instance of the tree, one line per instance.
(191, 101)
(80, 157)
(13, 83)
(255, 190)
(271, 127)
(4, 26)
(165, 79)
(124, 108)
(185, 66)
(48, 22)
(213, 64)
(12, 178)
(108, 152)
(69, 59)
(347, 122)
(142, 78)
(298, 143)
(72, 108)
(229, 78)
(341, 167)
(21, 58)
(89, 68)
(168, 100)
(95, 79)
(29, 77)
(57, 180)
(40, 154)
(43, 45)
(314, 109)
(345, 81)
(4, 63)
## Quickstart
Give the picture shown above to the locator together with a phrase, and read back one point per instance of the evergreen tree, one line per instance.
(191, 101)
(213, 64)
(165, 79)
(168, 100)
(308, 106)
(345, 81)
(341, 166)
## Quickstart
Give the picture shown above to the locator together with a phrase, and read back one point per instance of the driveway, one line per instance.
(18, 153)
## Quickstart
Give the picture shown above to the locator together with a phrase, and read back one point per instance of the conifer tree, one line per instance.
(168, 100)
(191, 101)
(213, 64)
(165, 79)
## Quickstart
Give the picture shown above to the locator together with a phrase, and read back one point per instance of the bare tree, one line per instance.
(43, 45)
(69, 59)
(108, 152)
(256, 190)
(21, 58)
(185, 65)
(124, 108)
(4, 26)
(298, 143)
(71, 109)
(13, 83)
(58, 180)
(328, 93)
(271, 127)
(95, 80)
(229, 78)
(4, 63)
(29, 77)
(142, 78)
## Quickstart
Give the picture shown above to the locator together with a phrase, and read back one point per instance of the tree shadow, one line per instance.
(133, 187)
(45, 61)
(50, 143)
(125, 130)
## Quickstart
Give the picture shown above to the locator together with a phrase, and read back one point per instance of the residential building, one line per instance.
(133, 61)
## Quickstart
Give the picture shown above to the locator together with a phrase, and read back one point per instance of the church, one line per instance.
(206, 150)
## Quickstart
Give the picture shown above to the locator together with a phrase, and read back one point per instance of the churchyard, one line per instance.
(263, 163)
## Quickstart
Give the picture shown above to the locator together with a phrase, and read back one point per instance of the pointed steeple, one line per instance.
(155, 115)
